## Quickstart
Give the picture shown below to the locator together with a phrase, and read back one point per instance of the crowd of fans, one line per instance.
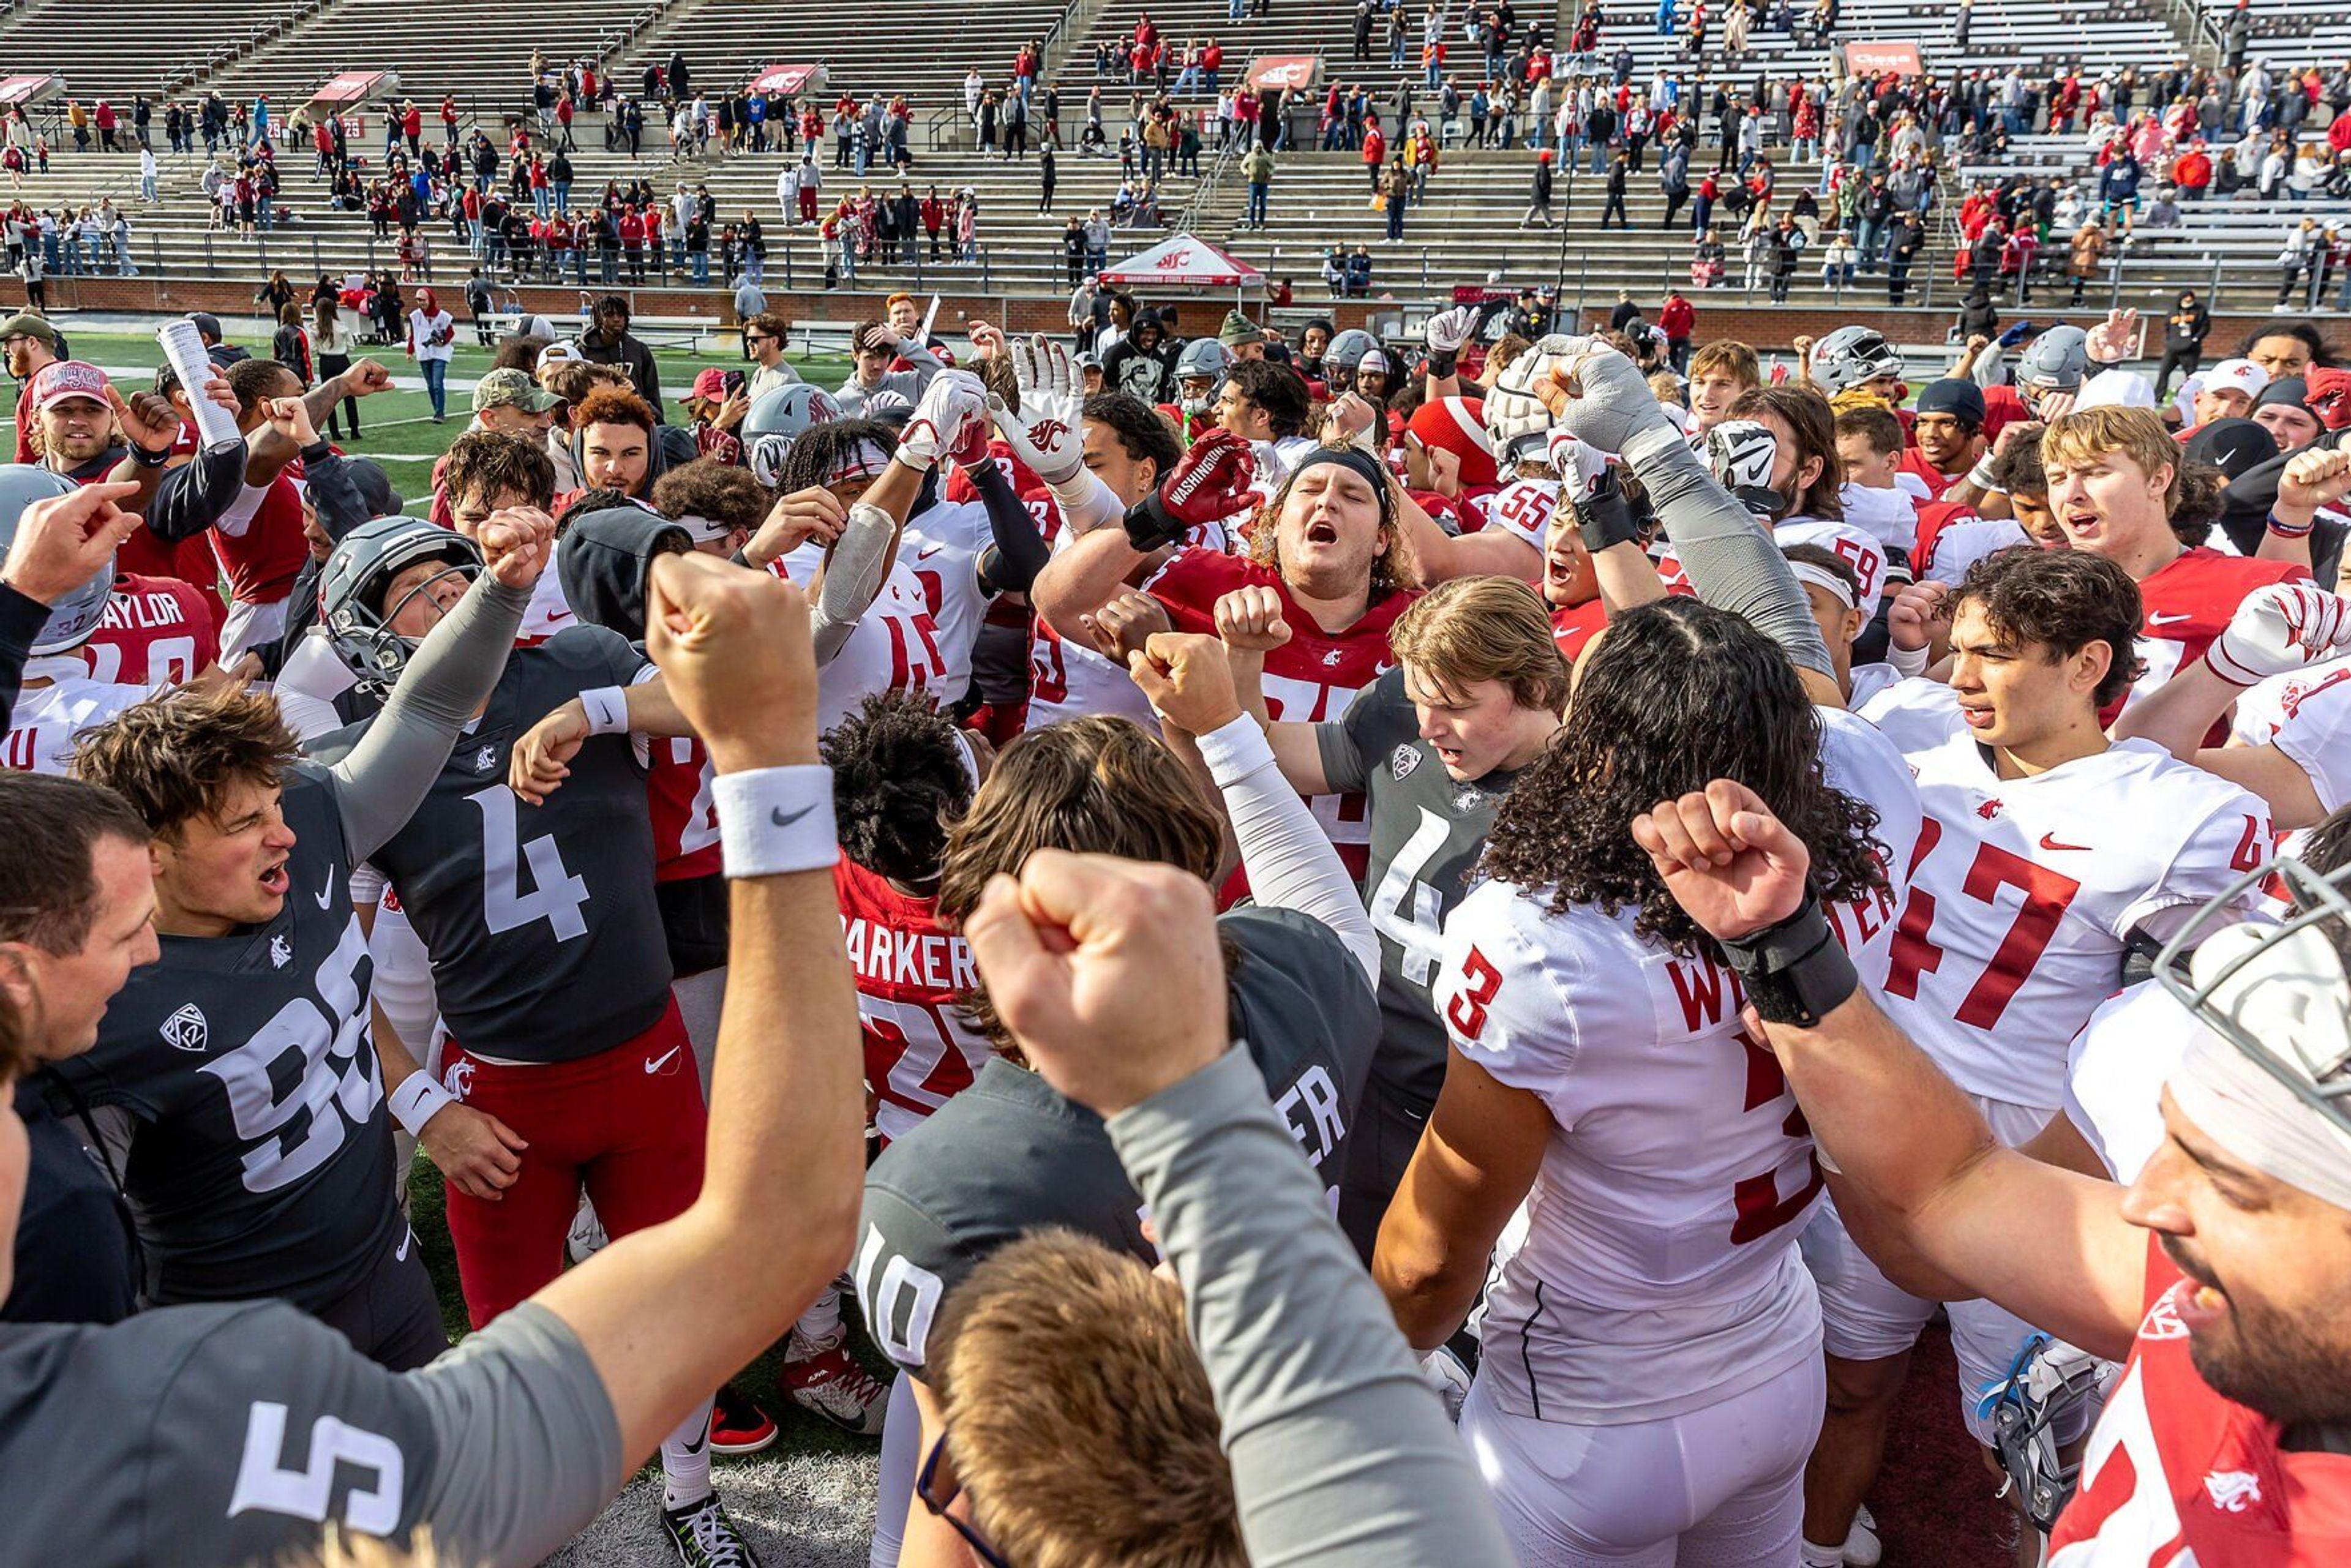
(1525, 703)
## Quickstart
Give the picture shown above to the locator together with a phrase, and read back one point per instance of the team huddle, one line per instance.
(1682, 879)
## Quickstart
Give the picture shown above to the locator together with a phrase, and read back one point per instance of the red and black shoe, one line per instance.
(737, 1424)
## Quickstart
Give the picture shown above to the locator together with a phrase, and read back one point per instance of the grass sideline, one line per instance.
(397, 429)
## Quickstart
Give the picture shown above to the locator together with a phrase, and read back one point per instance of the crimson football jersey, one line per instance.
(158, 632)
(680, 795)
(1574, 627)
(2176, 1474)
(909, 969)
(1310, 679)
(259, 539)
(1914, 463)
(2186, 606)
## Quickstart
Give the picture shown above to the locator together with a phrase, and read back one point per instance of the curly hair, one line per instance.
(1675, 695)
(1396, 570)
(900, 783)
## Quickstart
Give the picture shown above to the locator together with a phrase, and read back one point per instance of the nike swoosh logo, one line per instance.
(2156, 620)
(406, 1241)
(927, 554)
(777, 815)
(2049, 841)
(657, 1063)
(327, 894)
(559, 616)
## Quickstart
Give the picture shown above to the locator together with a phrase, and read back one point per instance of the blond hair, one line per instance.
(1475, 629)
(2087, 434)
(1078, 1416)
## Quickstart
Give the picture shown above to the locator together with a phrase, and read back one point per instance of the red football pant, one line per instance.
(627, 1122)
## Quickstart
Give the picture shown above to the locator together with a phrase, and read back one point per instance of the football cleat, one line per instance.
(822, 1376)
(737, 1424)
(1862, 1548)
(704, 1537)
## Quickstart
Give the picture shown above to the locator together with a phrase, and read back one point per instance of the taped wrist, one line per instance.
(1607, 518)
(1795, 971)
(1150, 526)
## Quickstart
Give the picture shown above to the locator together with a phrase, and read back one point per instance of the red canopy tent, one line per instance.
(788, 81)
(1184, 261)
(351, 90)
(24, 91)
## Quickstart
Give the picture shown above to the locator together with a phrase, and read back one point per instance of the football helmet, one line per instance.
(2048, 1381)
(1345, 352)
(1853, 356)
(76, 612)
(1203, 359)
(352, 586)
(775, 420)
(2054, 361)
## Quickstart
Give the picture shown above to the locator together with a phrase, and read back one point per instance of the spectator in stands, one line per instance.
(608, 341)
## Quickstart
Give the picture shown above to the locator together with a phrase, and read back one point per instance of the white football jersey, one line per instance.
(1960, 544)
(1659, 1271)
(895, 647)
(1523, 509)
(1889, 517)
(47, 719)
(942, 547)
(2023, 890)
(2115, 1074)
(1851, 545)
(2307, 716)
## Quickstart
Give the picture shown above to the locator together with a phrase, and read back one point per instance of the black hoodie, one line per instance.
(1149, 374)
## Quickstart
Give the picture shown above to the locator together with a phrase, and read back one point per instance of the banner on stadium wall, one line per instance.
(1877, 59)
(23, 92)
(788, 81)
(1186, 261)
(352, 89)
(1298, 72)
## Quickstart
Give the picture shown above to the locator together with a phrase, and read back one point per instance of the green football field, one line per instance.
(397, 428)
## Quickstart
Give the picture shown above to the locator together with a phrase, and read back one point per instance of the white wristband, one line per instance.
(1981, 476)
(608, 710)
(774, 821)
(417, 1101)
(1906, 661)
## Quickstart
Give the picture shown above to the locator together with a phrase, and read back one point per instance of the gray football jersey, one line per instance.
(262, 1161)
(542, 922)
(1427, 830)
(197, 1436)
(1009, 1156)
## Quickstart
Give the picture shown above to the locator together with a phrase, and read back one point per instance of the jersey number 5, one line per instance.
(557, 895)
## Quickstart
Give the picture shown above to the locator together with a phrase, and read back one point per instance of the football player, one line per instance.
(57, 698)
(259, 1160)
(2024, 905)
(2218, 1272)
(1010, 1154)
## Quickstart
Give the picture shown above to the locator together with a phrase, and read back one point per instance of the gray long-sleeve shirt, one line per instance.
(1340, 1453)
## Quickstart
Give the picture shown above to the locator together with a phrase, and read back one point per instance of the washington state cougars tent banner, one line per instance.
(352, 90)
(784, 81)
(1186, 261)
(1295, 72)
(1877, 59)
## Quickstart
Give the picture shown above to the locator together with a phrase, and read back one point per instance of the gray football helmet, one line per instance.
(76, 612)
(1203, 359)
(2056, 360)
(1345, 352)
(1853, 356)
(775, 420)
(351, 591)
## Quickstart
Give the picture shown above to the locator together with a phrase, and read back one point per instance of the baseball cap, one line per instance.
(2116, 388)
(207, 323)
(69, 378)
(28, 324)
(557, 354)
(511, 387)
(2235, 446)
(1089, 360)
(2237, 375)
(1962, 400)
(709, 383)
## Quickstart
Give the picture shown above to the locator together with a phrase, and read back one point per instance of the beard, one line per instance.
(2276, 1363)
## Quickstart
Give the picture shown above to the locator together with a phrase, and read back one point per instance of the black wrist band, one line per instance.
(1150, 526)
(1444, 362)
(1795, 972)
(1606, 517)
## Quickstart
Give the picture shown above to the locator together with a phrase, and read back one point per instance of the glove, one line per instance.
(1588, 484)
(1516, 420)
(2285, 626)
(1207, 483)
(1446, 333)
(1045, 433)
(951, 410)
(1740, 452)
(1616, 409)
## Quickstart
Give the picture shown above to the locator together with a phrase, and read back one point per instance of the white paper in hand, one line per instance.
(215, 425)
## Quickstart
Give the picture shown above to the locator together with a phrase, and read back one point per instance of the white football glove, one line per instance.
(1580, 468)
(2282, 627)
(1045, 434)
(1740, 453)
(1516, 421)
(1443, 1371)
(944, 419)
(1447, 331)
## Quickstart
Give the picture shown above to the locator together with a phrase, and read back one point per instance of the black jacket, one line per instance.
(631, 356)
(77, 1252)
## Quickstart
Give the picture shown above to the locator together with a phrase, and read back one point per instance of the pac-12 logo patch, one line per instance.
(186, 1029)
(1403, 760)
(281, 952)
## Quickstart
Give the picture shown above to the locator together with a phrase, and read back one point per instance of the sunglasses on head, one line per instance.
(938, 1494)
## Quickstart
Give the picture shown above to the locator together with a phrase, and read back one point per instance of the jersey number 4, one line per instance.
(557, 896)
(2038, 914)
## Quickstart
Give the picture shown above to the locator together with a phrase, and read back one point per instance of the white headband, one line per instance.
(2292, 999)
(1822, 578)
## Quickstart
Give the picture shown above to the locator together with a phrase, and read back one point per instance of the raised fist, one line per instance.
(1601, 398)
(2314, 477)
(1446, 333)
(1209, 483)
(1124, 622)
(2282, 627)
(952, 410)
(1189, 680)
(1910, 623)
(1249, 620)
(516, 544)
